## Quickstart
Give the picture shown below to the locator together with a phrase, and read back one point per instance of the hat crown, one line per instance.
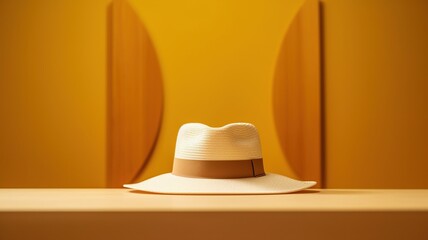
(235, 141)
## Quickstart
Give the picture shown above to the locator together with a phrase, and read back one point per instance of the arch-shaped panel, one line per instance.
(297, 94)
(136, 95)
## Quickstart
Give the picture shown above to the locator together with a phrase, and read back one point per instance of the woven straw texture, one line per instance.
(236, 141)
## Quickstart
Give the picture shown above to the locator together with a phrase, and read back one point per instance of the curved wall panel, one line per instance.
(136, 96)
(296, 94)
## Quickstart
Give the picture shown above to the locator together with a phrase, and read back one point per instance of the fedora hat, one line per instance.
(224, 160)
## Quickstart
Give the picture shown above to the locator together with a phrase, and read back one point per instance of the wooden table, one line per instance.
(127, 214)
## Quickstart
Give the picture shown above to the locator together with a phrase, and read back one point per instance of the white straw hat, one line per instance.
(224, 160)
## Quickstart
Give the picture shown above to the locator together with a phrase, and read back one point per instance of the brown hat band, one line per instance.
(218, 169)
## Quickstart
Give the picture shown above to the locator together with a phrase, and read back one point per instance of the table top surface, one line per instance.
(125, 200)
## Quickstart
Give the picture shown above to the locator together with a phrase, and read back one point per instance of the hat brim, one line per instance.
(269, 184)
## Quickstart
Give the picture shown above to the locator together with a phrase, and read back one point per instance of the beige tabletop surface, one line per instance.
(119, 200)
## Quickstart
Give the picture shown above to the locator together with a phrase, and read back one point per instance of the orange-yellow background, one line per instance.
(53, 102)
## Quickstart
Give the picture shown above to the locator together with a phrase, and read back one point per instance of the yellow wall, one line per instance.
(376, 88)
(52, 93)
(53, 84)
(217, 60)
